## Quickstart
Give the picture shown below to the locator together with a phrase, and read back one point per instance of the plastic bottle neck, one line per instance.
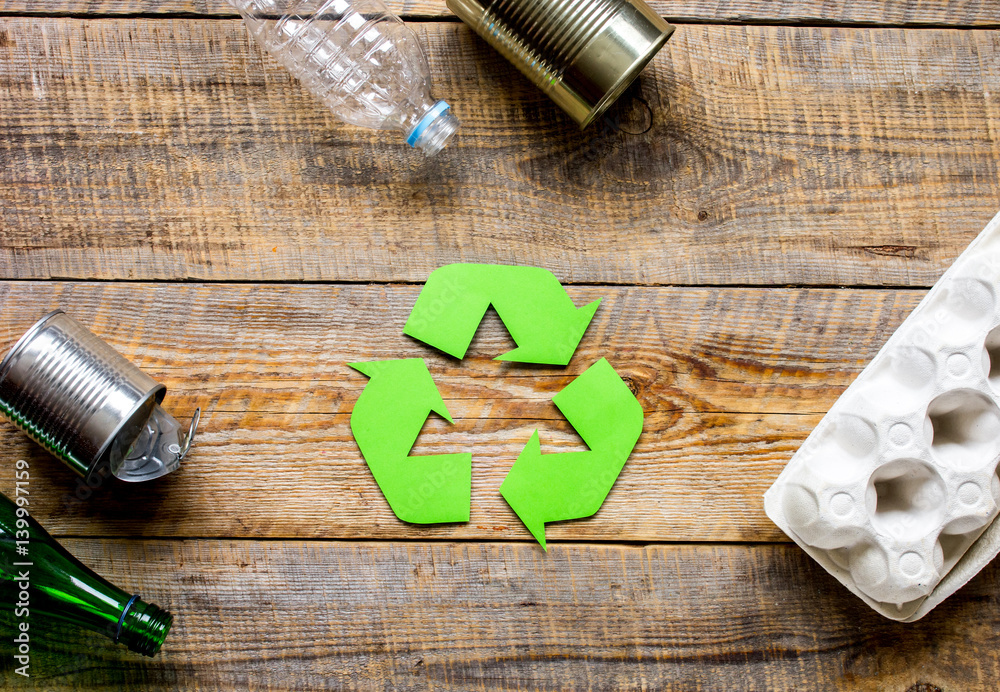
(433, 130)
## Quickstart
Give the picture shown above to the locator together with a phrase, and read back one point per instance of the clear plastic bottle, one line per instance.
(359, 59)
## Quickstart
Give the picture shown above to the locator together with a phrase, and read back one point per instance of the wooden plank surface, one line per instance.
(169, 149)
(303, 616)
(731, 381)
(771, 147)
(893, 12)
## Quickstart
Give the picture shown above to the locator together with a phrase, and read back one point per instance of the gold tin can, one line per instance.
(582, 53)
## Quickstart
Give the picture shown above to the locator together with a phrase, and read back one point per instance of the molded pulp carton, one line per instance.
(896, 490)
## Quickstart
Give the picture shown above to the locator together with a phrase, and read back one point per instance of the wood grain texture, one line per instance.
(304, 616)
(169, 149)
(163, 147)
(893, 12)
(731, 381)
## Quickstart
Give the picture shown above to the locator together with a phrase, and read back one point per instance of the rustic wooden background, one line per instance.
(759, 213)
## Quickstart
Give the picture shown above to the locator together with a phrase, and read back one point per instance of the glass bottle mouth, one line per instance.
(434, 129)
(143, 627)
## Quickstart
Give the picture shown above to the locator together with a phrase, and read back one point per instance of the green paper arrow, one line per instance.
(572, 485)
(533, 305)
(386, 420)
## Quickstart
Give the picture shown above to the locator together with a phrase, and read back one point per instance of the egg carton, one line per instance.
(896, 490)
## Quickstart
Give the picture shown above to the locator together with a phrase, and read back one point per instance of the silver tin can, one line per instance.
(87, 404)
(582, 53)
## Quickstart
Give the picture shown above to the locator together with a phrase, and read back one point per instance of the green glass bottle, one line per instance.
(40, 581)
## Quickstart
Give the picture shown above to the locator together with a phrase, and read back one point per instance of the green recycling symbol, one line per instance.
(547, 328)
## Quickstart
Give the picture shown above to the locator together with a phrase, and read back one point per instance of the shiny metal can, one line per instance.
(87, 404)
(582, 53)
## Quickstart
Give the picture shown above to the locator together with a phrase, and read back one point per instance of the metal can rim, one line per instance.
(100, 459)
(627, 78)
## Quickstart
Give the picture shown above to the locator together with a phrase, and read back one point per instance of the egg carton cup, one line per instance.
(896, 490)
